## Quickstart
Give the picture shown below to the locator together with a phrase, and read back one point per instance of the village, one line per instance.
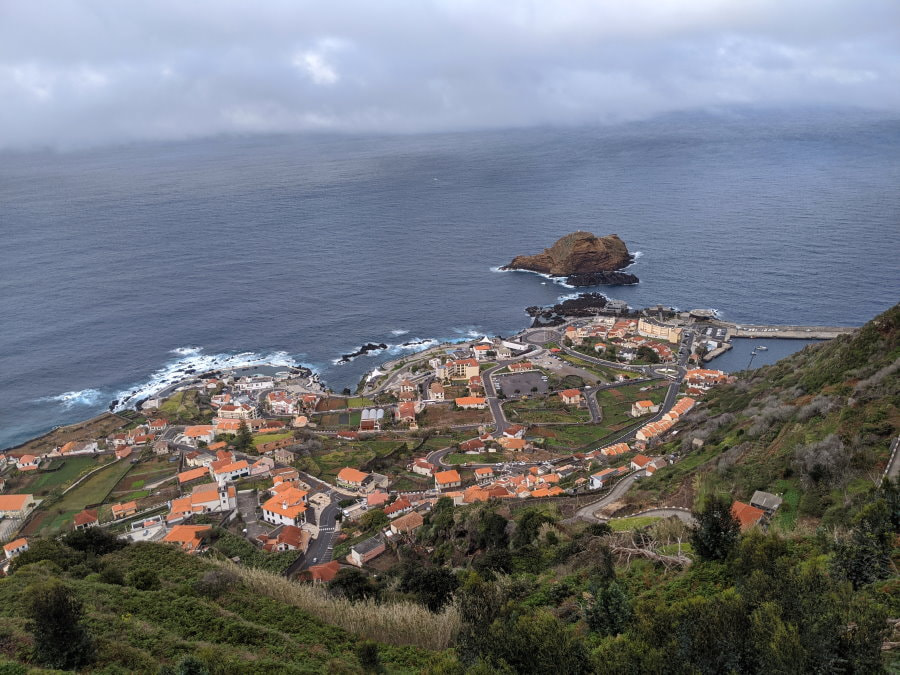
(329, 480)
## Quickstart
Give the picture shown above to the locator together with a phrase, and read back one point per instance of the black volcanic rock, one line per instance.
(602, 279)
(585, 305)
(365, 349)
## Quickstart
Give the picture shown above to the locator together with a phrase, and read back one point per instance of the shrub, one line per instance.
(60, 640)
(144, 579)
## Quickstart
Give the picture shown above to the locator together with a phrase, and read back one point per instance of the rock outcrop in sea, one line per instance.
(584, 258)
(584, 305)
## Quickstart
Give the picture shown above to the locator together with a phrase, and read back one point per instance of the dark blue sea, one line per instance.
(120, 265)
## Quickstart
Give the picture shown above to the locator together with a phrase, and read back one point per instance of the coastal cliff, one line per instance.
(583, 257)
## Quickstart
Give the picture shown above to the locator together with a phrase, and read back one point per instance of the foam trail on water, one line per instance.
(70, 399)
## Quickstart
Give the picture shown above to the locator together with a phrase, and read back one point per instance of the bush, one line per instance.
(144, 579)
(60, 640)
(367, 653)
(214, 583)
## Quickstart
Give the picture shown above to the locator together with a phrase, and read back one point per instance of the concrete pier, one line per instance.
(789, 332)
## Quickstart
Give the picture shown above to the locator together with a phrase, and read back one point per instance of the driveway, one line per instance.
(246, 505)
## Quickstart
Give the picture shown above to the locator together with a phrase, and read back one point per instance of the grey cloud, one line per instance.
(87, 72)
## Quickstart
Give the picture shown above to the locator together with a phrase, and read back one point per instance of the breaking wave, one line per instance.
(194, 362)
(70, 399)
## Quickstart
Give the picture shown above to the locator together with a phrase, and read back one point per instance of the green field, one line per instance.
(182, 406)
(460, 458)
(603, 372)
(574, 436)
(359, 402)
(70, 470)
(269, 438)
(92, 491)
(545, 411)
(616, 403)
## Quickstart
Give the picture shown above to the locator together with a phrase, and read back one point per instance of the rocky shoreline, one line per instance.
(585, 305)
(365, 349)
(602, 279)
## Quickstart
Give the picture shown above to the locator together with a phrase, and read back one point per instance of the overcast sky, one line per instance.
(90, 72)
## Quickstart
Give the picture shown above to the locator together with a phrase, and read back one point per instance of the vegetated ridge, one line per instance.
(815, 427)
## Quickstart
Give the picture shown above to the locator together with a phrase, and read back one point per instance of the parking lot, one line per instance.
(523, 382)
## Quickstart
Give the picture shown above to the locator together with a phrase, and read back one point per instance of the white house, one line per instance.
(288, 507)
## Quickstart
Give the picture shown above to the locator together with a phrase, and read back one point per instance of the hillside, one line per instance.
(815, 427)
(148, 607)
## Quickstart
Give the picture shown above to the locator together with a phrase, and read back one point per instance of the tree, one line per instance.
(94, 540)
(492, 531)
(717, 530)
(352, 584)
(374, 520)
(866, 555)
(243, 440)
(527, 528)
(646, 354)
(434, 586)
(610, 611)
(54, 613)
(144, 579)
(47, 549)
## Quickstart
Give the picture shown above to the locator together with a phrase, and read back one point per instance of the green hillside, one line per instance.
(815, 427)
(149, 608)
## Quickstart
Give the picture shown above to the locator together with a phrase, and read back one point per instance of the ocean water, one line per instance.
(741, 355)
(120, 266)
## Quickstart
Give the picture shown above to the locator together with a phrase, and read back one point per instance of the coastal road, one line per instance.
(618, 490)
(590, 396)
(320, 548)
(490, 393)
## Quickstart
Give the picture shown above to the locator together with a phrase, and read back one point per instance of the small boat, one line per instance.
(762, 348)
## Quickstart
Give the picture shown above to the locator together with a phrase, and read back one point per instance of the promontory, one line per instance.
(583, 258)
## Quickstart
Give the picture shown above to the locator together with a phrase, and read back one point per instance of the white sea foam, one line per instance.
(638, 254)
(186, 351)
(70, 399)
(556, 280)
(413, 346)
(399, 331)
(194, 362)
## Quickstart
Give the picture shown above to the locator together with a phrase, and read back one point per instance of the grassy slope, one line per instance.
(815, 427)
(241, 631)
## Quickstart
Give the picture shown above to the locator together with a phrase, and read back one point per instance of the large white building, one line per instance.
(287, 507)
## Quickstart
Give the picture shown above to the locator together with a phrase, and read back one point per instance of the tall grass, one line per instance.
(401, 623)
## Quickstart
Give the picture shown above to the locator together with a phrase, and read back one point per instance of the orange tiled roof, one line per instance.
(288, 503)
(193, 474)
(351, 475)
(189, 537)
(746, 515)
(13, 502)
(85, 517)
(447, 477)
(13, 545)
